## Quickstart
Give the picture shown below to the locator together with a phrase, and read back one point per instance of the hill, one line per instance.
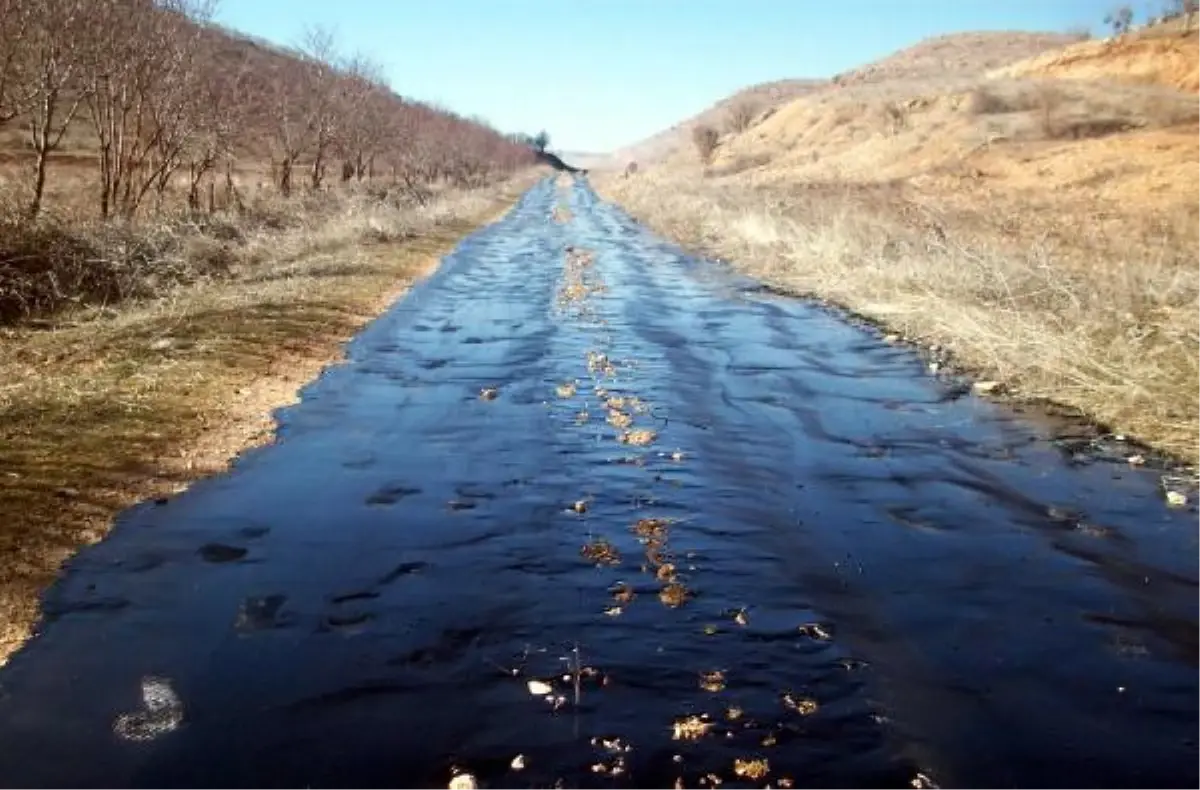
(958, 54)
(1160, 55)
(961, 54)
(1024, 202)
(758, 99)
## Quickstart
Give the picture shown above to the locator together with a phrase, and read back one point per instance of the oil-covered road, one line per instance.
(581, 510)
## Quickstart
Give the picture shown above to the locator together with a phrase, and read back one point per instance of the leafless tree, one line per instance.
(741, 115)
(367, 103)
(140, 80)
(16, 20)
(223, 90)
(53, 90)
(327, 97)
(164, 91)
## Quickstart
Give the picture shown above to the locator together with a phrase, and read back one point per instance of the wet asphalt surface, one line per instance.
(820, 557)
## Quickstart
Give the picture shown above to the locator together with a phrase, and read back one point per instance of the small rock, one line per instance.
(162, 344)
(987, 387)
(580, 506)
(1176, 499)
(488, 393)
(890, 339)
(1136, 460)
(518, 763)
(934, 367)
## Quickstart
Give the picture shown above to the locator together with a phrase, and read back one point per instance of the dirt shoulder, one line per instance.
(104, 409)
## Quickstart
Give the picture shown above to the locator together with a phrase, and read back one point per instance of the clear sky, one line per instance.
(598, 74)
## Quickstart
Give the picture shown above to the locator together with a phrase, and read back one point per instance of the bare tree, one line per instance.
(705, 138)
(741, 115)
(223, 97)
(366, 104)
(16, 20)
(139, 84)
(326, 98)
(54, 92)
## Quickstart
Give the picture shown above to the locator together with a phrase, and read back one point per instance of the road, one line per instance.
(584, 510)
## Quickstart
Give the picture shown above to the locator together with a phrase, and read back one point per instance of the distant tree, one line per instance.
(741, 115)
(52, 85)
(705, 138)
(540, 140)
(1120, 20)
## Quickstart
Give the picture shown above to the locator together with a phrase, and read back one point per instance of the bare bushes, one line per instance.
(706, 139)
(49, 265)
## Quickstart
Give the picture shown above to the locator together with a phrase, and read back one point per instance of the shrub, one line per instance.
(706, 140)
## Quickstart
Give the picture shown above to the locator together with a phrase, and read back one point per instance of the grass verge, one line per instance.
(104, 407)
(1115, 339)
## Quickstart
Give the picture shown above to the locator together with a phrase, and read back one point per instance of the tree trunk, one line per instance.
(285, 177)
(39, 184)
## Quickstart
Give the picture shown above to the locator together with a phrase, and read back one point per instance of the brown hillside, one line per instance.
(1152, 57)
(764, 97)
(956, 55)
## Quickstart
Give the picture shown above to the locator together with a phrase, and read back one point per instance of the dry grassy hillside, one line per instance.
(1041, 230)
(762, 98)
(955, 55)
(1163, 55)
(961, 55)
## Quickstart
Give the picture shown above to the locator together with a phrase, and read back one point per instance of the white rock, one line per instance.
(987, 387)
(1176, 499)
(518, 763)
(1136, 460)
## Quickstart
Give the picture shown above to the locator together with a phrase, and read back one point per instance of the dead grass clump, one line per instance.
(739, 164)
(46, 266)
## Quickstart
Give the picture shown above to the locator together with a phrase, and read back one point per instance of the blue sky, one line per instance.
(598, 74)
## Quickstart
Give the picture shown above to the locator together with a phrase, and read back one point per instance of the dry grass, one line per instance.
(1117, 339)
(102, 407)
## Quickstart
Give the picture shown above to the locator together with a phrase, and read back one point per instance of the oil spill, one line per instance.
(801, 561)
